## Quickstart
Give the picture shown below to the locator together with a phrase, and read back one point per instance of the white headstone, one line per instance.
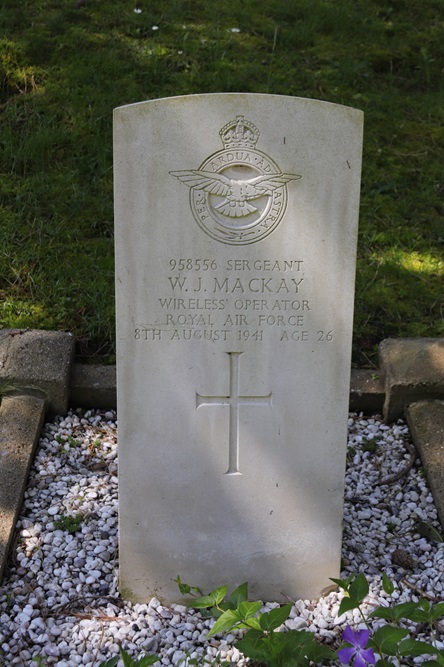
(236, 225)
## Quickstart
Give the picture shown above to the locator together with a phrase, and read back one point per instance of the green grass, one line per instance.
(64, 66)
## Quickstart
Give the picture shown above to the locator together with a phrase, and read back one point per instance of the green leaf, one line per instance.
(225, 622)
(358, 589)
(346, 605)
(404, 609)
(317, 652)
(428, 613)
(274, 618)
(253, 646)
(203, 602)
(218, 594)
(440, 658)
(248, 609)
(127, 661)
(287, 648)
(342, 583)
(110, 663)
(386, 639)
(213, 599)
(429, 532)
(148, 660)
(437, 611)
(415, 647)
(424, 604)
(383, 612)
(183, 588)
(387, 584)
(431, 663)
(240, 594)
(251, 623)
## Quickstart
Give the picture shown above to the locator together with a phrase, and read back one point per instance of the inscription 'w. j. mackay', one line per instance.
(236, 285)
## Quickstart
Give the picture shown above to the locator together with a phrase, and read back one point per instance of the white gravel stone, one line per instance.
(60, 600)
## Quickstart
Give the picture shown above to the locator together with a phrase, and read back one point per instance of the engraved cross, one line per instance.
(234, 401)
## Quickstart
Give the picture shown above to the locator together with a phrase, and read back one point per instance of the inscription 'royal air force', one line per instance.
(238, 195)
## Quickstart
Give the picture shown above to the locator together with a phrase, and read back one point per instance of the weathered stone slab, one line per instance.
(21, 419)
(93, 386)
(366, 391)
(236, 222)
(37, 362)
(426, 423)
(414, 370)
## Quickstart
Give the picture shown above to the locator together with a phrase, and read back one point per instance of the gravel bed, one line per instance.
(59, 603)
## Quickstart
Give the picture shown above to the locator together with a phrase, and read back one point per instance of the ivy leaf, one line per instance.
(183, 588)
(240, 594)
(204, 602)
(274, 618)
(225, 622)
(218, 594)
(213, 599)
(248, 609)
(253, 646)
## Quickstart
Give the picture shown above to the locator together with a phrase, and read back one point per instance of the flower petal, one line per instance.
(359, 660)
(369, 656)
(362, 637)
(349, 636)
(345, 655)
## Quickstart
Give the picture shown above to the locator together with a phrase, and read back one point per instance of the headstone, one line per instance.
(236, 225)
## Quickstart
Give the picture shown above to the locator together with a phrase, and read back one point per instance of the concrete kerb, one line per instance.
(38, 375)
(414, 371)
(426, 423)
(21, 420)
(34, 379)
(39, 363)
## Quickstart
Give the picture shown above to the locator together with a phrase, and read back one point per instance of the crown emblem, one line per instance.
(239, 132)
(238, 195)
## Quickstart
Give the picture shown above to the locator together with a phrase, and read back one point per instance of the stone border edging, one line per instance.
(21, 421)
(95, 387)
(38, 376)
(426, 423)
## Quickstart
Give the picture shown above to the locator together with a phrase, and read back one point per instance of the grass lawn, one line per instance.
(65, 64)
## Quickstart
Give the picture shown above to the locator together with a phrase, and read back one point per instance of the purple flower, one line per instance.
(357, 652)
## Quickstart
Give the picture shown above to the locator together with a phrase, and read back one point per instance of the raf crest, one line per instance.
(238, 195)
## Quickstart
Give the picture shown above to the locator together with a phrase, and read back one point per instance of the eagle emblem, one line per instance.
(238, 195)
